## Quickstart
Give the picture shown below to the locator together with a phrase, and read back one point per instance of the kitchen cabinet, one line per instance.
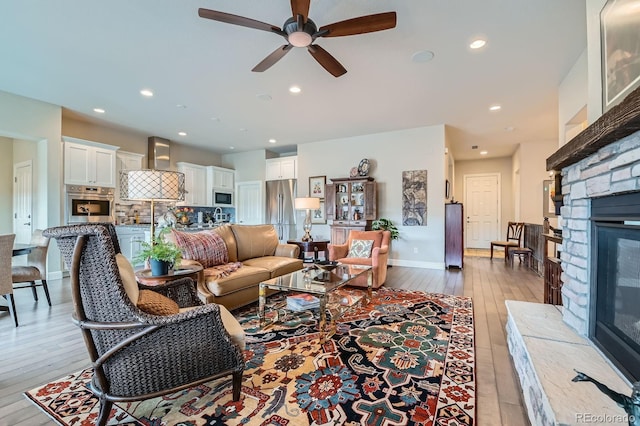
(351, 204)
(195, 184)
(89, 163)
(453, 235)
(126, 161)
(220, 177)
(281, 168)
(130, 239)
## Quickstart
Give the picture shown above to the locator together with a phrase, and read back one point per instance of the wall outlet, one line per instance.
(415, 250)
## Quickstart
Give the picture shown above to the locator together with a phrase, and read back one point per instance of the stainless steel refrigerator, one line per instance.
(280, 207)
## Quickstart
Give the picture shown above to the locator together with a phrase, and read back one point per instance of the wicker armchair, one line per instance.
(137, 355)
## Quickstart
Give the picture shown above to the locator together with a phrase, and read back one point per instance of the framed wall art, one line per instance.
(316, 186)
(319, 216)
(548, 191)
(414, 198)
(620, 47)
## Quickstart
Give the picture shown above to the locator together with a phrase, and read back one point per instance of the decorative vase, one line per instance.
(159, 267)
(185, 219)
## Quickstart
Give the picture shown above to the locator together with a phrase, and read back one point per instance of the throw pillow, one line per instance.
(128, 277)
(360, 248)
(206, 247)
(156, 304)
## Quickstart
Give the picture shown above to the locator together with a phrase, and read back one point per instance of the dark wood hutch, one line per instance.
(351, 204)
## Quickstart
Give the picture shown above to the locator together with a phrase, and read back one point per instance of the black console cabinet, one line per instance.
(453, 235)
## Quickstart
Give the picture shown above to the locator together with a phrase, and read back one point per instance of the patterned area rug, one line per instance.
(407, 358)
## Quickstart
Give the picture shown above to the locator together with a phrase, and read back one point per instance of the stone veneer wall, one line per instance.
(612, 169)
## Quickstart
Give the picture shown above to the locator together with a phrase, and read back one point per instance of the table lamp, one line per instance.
(152, 185)
(308, 204)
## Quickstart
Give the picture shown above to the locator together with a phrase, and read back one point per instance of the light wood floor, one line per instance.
(46, 345)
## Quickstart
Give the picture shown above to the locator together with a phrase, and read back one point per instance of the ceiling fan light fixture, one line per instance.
(300, 39)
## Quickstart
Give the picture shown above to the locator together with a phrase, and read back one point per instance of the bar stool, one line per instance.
(521, 252)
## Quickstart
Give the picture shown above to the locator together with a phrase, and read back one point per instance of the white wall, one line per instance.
(533, 173)
(6, 186)
(249, 166)
(572, 96)
(390, 154)
(28, 119)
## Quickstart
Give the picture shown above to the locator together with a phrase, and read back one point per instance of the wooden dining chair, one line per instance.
(36, 267)
(514, 238)
(6, 285)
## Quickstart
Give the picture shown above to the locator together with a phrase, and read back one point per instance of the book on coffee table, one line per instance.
(302, 301)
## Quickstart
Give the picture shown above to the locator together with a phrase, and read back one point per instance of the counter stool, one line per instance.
(521, 252)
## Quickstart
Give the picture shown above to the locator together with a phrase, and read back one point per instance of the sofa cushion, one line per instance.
(206, 247)
(255, 241)
(247, 276)
(156, 304)
(229, 239)
(277, 265)
(360, 248)
(356, 261)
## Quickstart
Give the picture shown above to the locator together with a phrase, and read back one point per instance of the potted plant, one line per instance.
(162, 255)
(386, 225)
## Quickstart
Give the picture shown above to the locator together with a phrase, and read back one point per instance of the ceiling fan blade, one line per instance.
(361, 25)
(239, 20)
(300, 7)
(274, 57)
(329, 63)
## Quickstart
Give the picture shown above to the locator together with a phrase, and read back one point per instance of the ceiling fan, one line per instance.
(300, 31)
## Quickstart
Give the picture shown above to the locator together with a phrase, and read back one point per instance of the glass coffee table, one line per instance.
(321, 284)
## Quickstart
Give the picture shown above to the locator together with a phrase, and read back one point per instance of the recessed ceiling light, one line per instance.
(272, 141)
(232, 147)
(182, 133)
(98, 110)
(484, 152)
(215, 119)
(495, 108)
(478, 43)
(242, 129)
(181, 106)
(146, 92)
(295, 89)
(509, 129)
(422, 56)
(264, 97)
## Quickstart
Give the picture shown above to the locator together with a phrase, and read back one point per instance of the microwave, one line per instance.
(222, 198)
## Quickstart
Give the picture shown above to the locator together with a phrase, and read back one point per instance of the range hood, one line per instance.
(159, 150)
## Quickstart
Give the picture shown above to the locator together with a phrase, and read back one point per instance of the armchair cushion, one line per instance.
(206, 247)
(360, 248)
(128, 277)
(156, 304)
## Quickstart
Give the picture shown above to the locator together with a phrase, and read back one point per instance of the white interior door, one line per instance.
(22, 195)
(482, 206)
(250, 203)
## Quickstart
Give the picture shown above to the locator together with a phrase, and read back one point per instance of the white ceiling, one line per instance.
(83, 54)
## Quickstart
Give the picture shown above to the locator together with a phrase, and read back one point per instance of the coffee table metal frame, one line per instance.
(315, 281)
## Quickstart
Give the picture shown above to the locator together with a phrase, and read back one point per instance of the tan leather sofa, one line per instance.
(262, 257)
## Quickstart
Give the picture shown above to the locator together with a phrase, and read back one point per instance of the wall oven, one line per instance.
(89, 204)
(222, 198)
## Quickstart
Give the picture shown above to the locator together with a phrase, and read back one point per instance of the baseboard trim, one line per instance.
(416, 264)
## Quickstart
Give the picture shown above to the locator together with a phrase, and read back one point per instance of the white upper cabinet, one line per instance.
(281, 168)
(221, 177)
(195, 184)
(89, 163)
(126, 161)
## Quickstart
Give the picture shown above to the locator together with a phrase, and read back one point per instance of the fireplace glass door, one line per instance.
(617, 319)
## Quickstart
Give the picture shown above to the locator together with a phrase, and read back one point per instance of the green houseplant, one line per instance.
(161, 254)
(386, 225)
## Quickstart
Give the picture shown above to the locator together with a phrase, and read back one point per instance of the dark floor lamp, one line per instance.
(152, 185)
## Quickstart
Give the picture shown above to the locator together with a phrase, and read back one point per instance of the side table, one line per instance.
(145, 278)
(312, 246)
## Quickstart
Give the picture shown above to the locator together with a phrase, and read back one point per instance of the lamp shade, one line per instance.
(307, 203)
(152, 185)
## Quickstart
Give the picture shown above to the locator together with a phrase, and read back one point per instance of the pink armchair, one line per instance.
(377, 259)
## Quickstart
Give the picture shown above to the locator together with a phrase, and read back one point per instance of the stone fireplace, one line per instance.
(600, 173)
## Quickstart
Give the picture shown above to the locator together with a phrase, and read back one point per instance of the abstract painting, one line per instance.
(414, 198)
